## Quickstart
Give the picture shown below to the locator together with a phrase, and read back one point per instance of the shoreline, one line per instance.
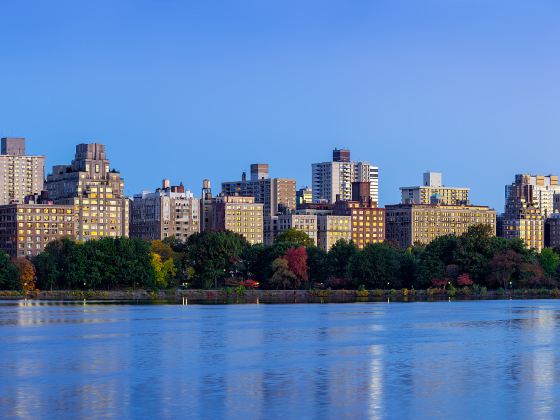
(229, 296)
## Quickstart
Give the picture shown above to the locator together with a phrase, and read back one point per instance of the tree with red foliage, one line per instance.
(297, 262)
(503, 266)
(440, 282)
(464, 280)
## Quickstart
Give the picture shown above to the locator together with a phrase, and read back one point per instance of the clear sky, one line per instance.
(196, 89)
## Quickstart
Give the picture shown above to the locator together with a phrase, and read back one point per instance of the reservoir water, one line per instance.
(470, 359)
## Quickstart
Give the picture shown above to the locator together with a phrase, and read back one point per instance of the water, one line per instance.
(372, 360)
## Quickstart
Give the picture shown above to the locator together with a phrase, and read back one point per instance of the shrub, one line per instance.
(362, 293)
(451, 292)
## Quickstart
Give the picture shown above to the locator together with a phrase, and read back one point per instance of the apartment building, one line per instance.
(367, 221)
(20, 174)
(333, 180)
(529, 201)
(170, 211)
(278, 195)
(541, 191)
(432, 191)
(94, 190)
(303, 196)
(409, 224)
(27, 228)
(238, 214)
(331, 228)
(552, 231)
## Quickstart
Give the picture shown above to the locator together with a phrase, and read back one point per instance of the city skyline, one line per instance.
(196, 186)
(450, 87)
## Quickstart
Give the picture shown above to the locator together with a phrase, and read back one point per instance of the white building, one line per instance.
(332, 179)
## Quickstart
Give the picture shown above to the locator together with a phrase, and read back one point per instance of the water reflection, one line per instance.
(371, 360)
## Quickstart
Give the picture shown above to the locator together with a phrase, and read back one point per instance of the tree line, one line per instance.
(216, 259)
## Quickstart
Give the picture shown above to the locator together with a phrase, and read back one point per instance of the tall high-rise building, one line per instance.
(95, 191)
(528, 202)
(333, 180)
(206, 206)
(170, 211)
(20, 174)
(542, 191)
(434, 192)
(278, 195)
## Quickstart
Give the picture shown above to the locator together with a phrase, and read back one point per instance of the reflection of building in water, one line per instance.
(375, 393)
(543, 365)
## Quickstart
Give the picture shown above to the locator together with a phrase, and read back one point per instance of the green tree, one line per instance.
(377, 266)
(550, 261)
(294, 236)
(475, 249)
(339, 257)
(215, 254)
(317, 264)
(282, 276)
(9, 274)
(434, 258)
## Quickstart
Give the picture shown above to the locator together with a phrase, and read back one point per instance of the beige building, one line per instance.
(540, 191)
(302, 220)
(20, 174)
(529, 200)
(278, 195)
(25, 229)
(240, 215)
(409, 224)
(170, 211)
(332, 228)
(434, 192)
(368, 221)
(94, 190)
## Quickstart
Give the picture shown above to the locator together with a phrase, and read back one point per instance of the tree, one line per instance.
(504, 265)
(474, 250)
(163, 249)
(377, 266)
(339, 257)
(107, 263)
(295, 237)
(215, 254)
(550, 261)
(464, 280)
(433, 259)
(9, 274)
(297, 263)
(317, 263)
(282, 276)
(160, 278)
(26, 274)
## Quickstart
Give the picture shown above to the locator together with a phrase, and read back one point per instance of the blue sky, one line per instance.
(196, 89)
